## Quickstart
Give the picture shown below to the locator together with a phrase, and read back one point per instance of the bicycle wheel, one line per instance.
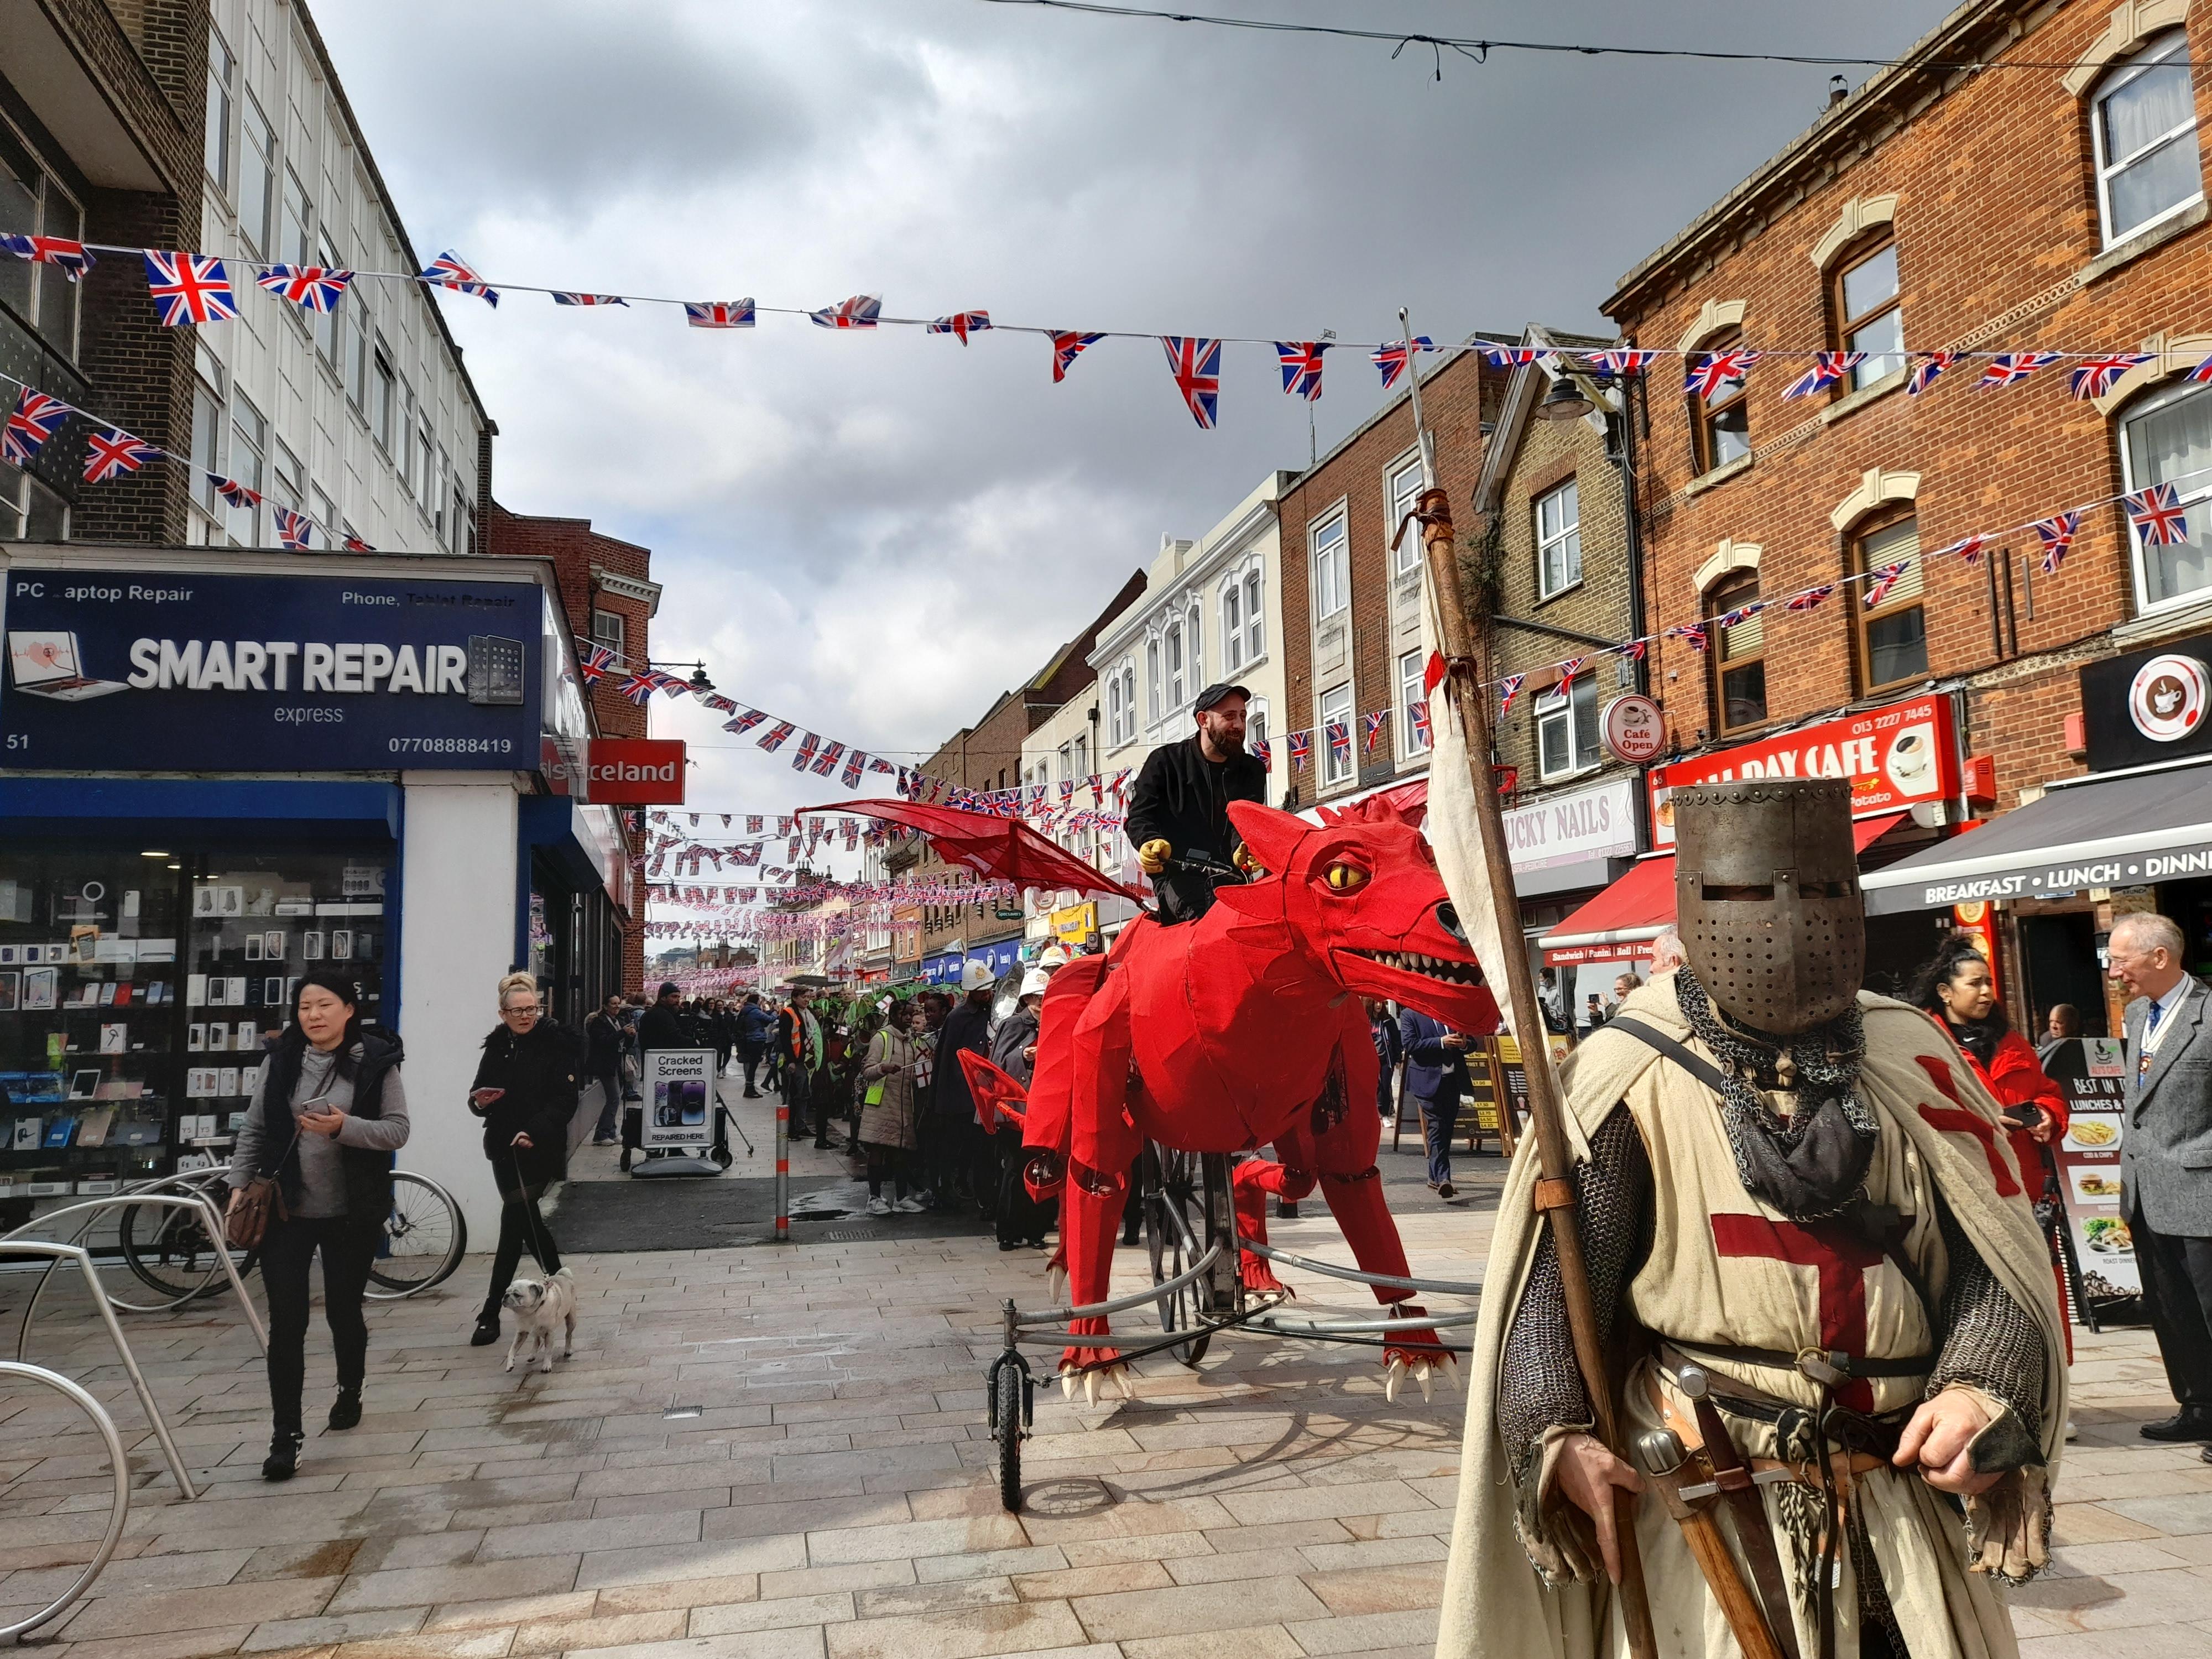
(169, 1250)
(1007, 1429)
(1170, 1192)
(425, 1238)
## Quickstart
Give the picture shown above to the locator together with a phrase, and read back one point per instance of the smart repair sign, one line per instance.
(177, 672)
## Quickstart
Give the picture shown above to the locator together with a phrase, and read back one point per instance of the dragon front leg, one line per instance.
(1249, 1185)
(1101, 1145)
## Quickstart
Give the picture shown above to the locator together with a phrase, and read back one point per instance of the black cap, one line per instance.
(666, 987)
(1217, 693)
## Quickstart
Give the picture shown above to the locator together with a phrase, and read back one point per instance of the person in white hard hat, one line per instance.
(1052, 959)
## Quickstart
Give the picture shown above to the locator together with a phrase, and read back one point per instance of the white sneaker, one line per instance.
(879, 1207)
(910, 1206)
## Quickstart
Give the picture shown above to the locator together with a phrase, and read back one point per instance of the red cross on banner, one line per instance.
(1957, 1119)
(1842, 1258)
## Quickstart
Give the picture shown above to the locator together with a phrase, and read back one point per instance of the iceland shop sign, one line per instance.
(171, 671)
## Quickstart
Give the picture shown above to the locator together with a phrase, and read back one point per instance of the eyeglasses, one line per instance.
(526, 1010)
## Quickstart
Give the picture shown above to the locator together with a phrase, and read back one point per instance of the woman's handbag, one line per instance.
(248, 1223)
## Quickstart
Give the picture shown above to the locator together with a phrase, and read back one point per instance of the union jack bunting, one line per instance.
(450, 270)
(1968, 548)
(355, 544)
(1930, 364)
(721, 705)
(189, 288)
(1882, 579)
(673, 685)
(1301, 749)
(111, 454)
(2202, 373)
(1696, 635)
(862, 311)
(2095, 378)
(1810, 598)
(878, 763)
(1301, 365)
(1828, 369)
(826, 762)
(2057, 533)
(746, 720)
(589, 299)
(1741, 614)
(753, 822)
(1196, 365)
(57, 251)
(1570, 668)
(639, 686)
(1392, 356)
(1513, 357)
(1634, 650)
(783, 826)
(718, 314)
(1619, 362)
(851, 779)
(296, 531)
(235, 492)
(961, 324)
(595, 665)
(313, 287)
(1340, 738)
(801, 758)
(1717, 370)
(1374, 718)
(2008, 367)
(1262, 751)
(35, 418)
(1066, 347)
(2157, 514)
(1417, 716)
(1508, 688)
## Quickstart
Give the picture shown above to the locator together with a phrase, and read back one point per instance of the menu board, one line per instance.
(2088, 1158)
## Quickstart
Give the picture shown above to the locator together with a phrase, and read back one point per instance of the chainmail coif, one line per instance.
(1808, 1165)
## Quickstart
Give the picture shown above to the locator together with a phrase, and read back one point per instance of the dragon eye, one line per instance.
(1343, 877)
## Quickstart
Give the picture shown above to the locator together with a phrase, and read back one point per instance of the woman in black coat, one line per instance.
(526, 1093)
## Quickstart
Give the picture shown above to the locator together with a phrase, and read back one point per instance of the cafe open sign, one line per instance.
(1897, 756)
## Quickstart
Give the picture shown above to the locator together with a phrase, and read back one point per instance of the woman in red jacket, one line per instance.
(1957, 988)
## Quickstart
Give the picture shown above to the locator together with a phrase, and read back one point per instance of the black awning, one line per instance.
(2118, 832)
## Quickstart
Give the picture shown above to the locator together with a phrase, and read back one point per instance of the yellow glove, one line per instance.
(1152, 857)
(1242, 858)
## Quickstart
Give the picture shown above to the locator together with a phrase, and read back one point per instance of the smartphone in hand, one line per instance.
(485, 1097)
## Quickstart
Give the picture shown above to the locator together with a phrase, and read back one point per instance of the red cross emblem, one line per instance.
(1961, 1120)
(1842, 1259)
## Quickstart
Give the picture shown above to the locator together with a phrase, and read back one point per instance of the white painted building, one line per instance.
(362, 417)
(1064, 749)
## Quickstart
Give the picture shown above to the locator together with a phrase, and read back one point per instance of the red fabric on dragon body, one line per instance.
(1244, 1029)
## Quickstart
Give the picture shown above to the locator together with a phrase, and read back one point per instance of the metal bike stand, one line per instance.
(117, 1515)
(33, 1248)
(91, 1207)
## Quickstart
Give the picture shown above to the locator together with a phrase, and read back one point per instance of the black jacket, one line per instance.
(968, 1027)
(538, 1072)
(663, 1028)
(604, 1038)
(368, 1173)
(1182, 799)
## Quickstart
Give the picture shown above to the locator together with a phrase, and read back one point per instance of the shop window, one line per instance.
(1405, 495)
(1739, 654)
(2167, 439)
(1559, 540)
(1567, 728)
(1332, 569)
(1893, 632)
(2142, 128)
(1411, 667)
(1336, 763)
(33, 203)
(1720, 426)
(1863, 300)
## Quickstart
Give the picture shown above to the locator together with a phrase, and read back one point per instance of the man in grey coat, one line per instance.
(2166, 1159)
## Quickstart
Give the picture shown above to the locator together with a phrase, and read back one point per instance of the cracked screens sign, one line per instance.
(136, 670)
(679, 1097)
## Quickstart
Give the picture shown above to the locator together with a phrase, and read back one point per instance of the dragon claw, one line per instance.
(1056, 1281)
(1093, 1382)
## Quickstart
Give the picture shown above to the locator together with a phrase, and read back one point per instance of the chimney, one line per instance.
(1838, 89)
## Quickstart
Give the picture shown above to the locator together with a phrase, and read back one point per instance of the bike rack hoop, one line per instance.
(199, 1202)
(117, 1515)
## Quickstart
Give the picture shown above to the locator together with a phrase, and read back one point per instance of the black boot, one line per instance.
(487, 1330)
(345, 1410)
(283, 1459)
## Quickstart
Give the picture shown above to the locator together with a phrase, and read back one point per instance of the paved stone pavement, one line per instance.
(781, 1451)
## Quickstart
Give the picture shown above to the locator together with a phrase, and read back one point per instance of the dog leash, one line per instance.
(538, 1238)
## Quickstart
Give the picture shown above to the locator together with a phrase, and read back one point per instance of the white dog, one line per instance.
(539, 1306)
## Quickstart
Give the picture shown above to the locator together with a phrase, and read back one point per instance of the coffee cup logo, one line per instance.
(2167, 698)
(1911, 765)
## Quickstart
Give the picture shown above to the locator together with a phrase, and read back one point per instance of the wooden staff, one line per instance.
(1555, 1190)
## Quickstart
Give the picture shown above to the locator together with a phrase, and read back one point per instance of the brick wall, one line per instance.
(1998, 248)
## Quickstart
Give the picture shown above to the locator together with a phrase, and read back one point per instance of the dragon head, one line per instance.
(1363, 900)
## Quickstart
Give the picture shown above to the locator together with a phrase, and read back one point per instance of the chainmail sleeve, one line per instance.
(1988, 1340)
(1540, 1387)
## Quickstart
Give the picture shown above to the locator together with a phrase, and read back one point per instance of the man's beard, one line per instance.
(1227, 742)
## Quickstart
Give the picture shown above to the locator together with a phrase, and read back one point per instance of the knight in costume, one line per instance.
(1820, 1289)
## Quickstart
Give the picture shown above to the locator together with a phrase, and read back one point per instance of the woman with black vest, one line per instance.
(526, 1093)
(327, 1114)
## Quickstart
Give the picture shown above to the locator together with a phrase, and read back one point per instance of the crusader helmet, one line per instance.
(1767, 895)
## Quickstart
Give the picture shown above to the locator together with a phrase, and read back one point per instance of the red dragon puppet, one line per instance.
(1244, 1029)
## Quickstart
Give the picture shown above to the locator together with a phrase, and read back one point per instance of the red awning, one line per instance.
(1619, 924)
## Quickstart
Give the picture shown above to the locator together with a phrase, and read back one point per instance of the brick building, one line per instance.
(2058, 204)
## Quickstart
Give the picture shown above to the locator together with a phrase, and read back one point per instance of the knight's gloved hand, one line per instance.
(1242, 858)
(1152, 857)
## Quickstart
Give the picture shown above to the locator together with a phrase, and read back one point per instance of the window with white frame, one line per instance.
(1232, 627)
(207, 431)
(328, 327)
(1558, 539)
(1193, 633)
(324, 510)
(257, 175)
(1153, 684)
(249, 444)
(1567, 727)
(1255, 726)
(295, 229)
(1332, 569)
(2142, 128)
(1178, 692)
(33, 203)
(1255, 616)
(1337, 764)
(384, 396)
(1405, 494)
(1410, 666)
(1119, 690)
(2166, 438)
(608, 629)
(221, 96)
(286, 476)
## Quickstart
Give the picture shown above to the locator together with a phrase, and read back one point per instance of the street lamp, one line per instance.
(700, 684)
(1566, 401)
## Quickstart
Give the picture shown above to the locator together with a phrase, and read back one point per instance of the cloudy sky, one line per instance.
(875, 534)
